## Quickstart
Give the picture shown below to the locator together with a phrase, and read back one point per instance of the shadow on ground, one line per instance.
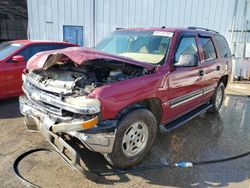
(9, 108)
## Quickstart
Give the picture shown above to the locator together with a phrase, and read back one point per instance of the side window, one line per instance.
(223, 46)
(187, 52)
(207, 48)
(44, 47)
(61, 46)
(28, 52)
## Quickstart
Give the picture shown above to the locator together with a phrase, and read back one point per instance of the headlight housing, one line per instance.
(92, 106)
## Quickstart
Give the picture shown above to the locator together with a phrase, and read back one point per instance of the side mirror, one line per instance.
(187, 60)
(18, 58)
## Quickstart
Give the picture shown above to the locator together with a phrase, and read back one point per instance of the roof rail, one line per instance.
(202, 28)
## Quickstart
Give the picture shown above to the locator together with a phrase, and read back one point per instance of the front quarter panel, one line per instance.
(115, 97)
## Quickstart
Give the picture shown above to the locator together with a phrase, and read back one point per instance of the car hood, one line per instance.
(78, 55)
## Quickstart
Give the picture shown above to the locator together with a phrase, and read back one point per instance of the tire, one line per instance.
(217, 98)
(127, 151)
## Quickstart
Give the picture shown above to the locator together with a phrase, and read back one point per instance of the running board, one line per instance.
(185, 118)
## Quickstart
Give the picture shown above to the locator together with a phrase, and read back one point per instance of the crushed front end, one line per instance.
(55, 103)
(57, 98)
(50, 104)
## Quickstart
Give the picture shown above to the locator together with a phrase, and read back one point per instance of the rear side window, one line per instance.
(223, 46)
(208, 48)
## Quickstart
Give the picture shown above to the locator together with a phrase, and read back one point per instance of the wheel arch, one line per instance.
(151, 104)
(224, 80)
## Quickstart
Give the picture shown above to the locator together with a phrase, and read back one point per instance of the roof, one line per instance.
(169, 29)
(172, 29)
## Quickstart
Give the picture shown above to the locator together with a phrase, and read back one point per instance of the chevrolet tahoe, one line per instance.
(113, 98)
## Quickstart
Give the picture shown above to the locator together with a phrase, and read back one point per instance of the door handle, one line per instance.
(218, 68)
(201, 72)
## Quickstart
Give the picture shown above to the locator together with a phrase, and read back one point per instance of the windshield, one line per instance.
(145, 46)
(8, 48)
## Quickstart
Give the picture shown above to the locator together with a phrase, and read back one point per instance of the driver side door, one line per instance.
(185, 79)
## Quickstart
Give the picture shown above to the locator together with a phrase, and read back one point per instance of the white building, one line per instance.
(88, 21)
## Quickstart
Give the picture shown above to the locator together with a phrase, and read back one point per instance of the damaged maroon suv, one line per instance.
(114, 98)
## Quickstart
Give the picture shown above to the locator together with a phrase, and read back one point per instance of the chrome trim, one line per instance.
(189, 99)
(185, 98)
(209, 90)
(190, 96)
(28, 108)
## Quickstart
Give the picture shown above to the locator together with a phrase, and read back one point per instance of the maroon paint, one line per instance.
(165, 84)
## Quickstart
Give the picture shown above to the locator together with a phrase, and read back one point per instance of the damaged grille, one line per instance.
(39, 97)
(48, 100)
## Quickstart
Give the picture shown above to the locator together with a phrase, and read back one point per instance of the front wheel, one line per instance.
(217, 98)
(134, 138)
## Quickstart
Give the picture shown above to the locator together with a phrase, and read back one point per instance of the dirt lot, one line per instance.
(205, 137)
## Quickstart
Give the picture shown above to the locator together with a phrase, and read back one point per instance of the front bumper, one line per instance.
(100, 138)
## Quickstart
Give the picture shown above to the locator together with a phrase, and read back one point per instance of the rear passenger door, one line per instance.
(210, 65)
(225, 56)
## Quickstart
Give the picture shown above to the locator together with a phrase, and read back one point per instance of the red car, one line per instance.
(13, 58)
(114, 98)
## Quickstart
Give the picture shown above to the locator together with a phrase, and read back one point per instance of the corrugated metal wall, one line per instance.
(172, 13)
(47, 17)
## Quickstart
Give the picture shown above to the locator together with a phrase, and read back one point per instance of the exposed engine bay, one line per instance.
(83, 79)
(63, 87)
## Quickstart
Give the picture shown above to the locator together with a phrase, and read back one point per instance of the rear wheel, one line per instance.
(217, 98)
(134, 138)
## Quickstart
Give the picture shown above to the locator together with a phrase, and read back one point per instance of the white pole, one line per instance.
(231, 39)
